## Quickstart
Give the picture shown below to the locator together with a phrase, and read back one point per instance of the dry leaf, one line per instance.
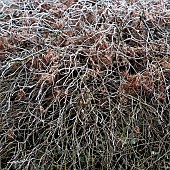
(21, 94)
(10, 133)
(42, 110)
(137, 130)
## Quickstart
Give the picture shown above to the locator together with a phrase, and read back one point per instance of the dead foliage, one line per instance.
(84, 84)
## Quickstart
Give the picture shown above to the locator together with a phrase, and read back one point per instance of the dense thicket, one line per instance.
(85, 84)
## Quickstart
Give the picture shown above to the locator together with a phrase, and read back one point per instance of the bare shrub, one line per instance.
(84, 84)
